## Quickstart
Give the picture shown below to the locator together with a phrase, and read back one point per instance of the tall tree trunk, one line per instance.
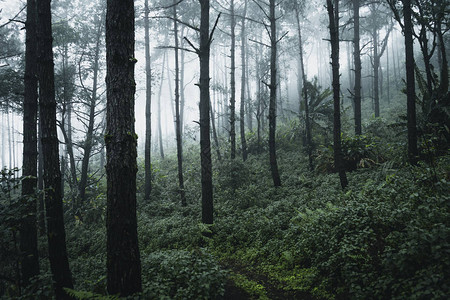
(8, 127)
(333, 15)
(243, 81)
(28, 229)
(205, 140)
(89, 141)
(377, 54)
(3, 141)
(40, 181)
(273, 96)
(309, 144)
(443, 87)
(388, 75)
(148, 107)
(247, 84)
(214, 131)
(123, 258)
(233, 82)
(376, 68)
(160, 139)
(410, 83)
(177, 112)
(358, 68)
(56, 235)
(182, 96)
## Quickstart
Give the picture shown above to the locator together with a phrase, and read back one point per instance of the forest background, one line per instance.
(323, 137)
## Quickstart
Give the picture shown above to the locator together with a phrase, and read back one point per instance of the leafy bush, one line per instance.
(181, 274)
(387, 242)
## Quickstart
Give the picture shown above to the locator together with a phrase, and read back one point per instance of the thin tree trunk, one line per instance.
(388, 75)
(8, 127)
(333, 14)
(243, 80)
(89, 141)
(177, 112)
(28, 229)
(233, 82)
(376, 68)
(123, 258)
(182, 96)
(273, 96)
(163, 67)
(358, 68)
(216, 139)
(309, 144)
(59, 264)
(160, 139)
(3, 141)
(148, 107)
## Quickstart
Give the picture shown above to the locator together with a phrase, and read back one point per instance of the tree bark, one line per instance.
(148, 107)
(28, 229)
(309, 144)
(177, 112)
(123, 258)
(358, 68)
(89, 141)
(273, 96)
(233, 82)
(243, 81)
(160, 139)
(56, 235)
(205, 139)
(410, 83)
(333, 15)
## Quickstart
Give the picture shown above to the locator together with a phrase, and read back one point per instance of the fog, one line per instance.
(79, 16)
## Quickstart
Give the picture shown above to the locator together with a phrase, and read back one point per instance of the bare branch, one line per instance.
(258, 42)
(14, 18)
(262, 9)
(282, 36)
(214, 28)
(177, 20)
(173, 47)
(197, 51)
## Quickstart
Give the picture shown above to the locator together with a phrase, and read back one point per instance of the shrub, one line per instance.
(181, 274)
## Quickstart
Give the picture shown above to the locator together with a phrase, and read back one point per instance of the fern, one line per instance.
(83, 295)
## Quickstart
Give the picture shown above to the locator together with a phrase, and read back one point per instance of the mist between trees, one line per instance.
(112, 108)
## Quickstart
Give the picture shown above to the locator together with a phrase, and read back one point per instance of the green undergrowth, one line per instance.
(384, 237)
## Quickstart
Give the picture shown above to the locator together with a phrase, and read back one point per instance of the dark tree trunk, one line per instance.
(28, 229)
(148, 107)
(410, 83)
(377, 54)
(177, 112)
(273, 96)
(333, 14)
(376, 68)
(123, 258)
(182, 55)
(214, 131)
(40, 182)
(205, 139)
(443, 87)
(160, 139)
(309, 144)
(358, 68)
(243, 81)
(233, 82)
(56, 235)
(89, 141)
